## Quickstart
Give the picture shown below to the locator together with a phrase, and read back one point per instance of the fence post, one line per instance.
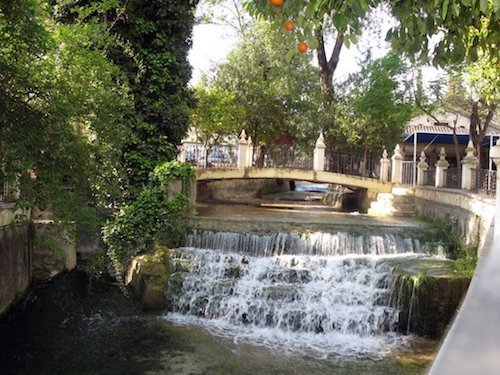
(441, 165)
(469, 162)
(495, 156)
(242, 150)
(182, 154)
(384, 167)
(249, 162)
(422, 167)
(319, 154)
(397, 166)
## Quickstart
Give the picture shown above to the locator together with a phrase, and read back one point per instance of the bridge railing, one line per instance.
(484, 181)
(453, 178)
(218, 157)
(287, 157)
(393, 169)
(352, 164)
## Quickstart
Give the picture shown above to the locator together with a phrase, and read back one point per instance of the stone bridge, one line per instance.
(354, 182)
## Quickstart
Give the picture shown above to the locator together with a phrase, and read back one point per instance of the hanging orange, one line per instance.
(276, 3)
(302, 47)
(289, 25)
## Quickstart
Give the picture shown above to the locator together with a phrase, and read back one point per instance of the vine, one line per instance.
(152, 217)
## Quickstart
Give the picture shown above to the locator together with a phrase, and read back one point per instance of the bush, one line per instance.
(138, 226)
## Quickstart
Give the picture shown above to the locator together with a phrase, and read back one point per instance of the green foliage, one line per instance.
(217, 114)
(159, 34)
(92, 97)
(453, 22)
(464, 255)
(150, 217)
(380, 108)
(61, 106)
(277, 97)
(466, 260)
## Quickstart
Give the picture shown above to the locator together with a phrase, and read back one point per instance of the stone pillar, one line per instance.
(242, 150)
(422, 167)
(182, 154)
(384, 167)
(397, 166)
(319, 154)
(495, 156)
(469, 162)
(441, 165)
(249, 162)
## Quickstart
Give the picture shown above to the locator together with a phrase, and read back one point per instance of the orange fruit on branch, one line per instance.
(276, 3)
(302, 47)
(289, 25)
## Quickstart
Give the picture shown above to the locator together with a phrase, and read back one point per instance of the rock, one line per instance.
(428, 302)
(54, 249)
(147, 277)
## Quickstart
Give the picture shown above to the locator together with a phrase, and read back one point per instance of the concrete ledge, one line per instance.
(471, 214)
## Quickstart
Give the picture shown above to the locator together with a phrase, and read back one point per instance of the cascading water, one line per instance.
(327, 294)
(317, 243)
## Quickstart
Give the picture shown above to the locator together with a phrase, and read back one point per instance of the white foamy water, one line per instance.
(317, 304)
(316, 243)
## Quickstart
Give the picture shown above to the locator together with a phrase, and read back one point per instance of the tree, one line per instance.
(159, 34)
(61, 107)
(380, 108)
(450, 21)
(216, 115)
(316, 19)
(275, 95)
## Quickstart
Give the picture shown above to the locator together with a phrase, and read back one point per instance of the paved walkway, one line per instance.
(472, 345)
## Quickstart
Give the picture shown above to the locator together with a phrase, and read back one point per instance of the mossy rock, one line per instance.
(148, 276)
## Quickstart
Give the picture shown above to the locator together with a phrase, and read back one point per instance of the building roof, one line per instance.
(426, 130)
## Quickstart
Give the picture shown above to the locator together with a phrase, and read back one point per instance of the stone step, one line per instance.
(401, 191)
(401, 204)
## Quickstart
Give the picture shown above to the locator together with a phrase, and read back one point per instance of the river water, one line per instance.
(67, 326)
(290, 304)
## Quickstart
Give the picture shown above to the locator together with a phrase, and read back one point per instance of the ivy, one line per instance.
(152, 217)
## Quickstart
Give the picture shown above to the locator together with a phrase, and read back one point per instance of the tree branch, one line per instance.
(334, 58)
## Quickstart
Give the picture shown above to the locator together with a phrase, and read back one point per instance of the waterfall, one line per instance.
(316, 243)
(275, 290)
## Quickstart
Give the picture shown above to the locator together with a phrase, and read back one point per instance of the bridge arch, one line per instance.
(357, 182)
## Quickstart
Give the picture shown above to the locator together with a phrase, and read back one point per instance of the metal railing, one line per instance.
(352, 164)
(286, 157)
(430, 178)
(218, 157)
(409, 174)
(484, 181)
(453, 178)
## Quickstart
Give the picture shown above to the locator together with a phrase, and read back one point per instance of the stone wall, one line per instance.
(15, 263)
(471, 215)
(54, 249)
(223, 190)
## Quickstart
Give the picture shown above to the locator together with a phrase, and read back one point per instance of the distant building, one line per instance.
(424, 133)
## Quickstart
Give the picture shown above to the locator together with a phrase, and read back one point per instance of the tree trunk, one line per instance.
(478, 128)
(327, 66)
